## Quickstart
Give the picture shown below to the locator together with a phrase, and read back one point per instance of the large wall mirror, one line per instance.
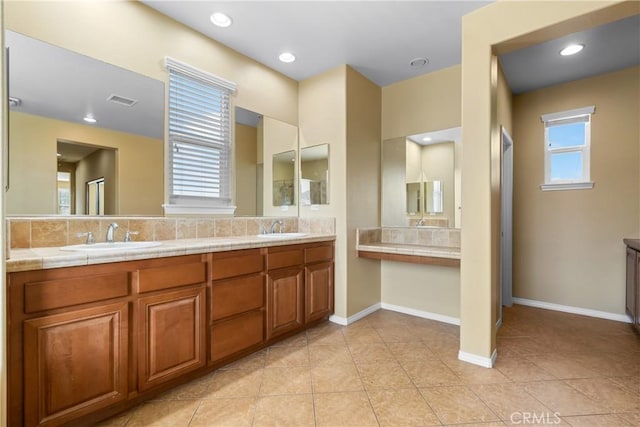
(421, 179)
(265, 165)
(314, 175)
(74, 120)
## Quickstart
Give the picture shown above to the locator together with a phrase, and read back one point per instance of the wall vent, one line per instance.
(127, 102)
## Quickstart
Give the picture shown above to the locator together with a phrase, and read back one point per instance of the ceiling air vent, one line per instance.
(127, 102)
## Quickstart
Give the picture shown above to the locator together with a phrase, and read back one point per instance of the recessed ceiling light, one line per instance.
(419, 62)
(572, 49)
(426, 139)
(287, 57)
(89, 119)
(58, 154)
(221, 20)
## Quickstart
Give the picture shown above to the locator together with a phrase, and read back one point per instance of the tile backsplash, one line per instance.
(37, 232)
(447, 237)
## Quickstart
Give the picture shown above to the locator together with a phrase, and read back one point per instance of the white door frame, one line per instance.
(506, 223)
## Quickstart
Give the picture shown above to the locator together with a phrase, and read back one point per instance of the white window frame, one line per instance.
(180, 204)
(579, 115)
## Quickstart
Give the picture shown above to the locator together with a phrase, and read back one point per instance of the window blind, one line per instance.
(199, 137)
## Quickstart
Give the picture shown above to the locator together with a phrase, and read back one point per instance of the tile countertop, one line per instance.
(44, 258)
(406, 249)
(633, 243)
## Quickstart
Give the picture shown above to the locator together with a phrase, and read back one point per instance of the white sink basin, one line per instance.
(281, 235)
(115, 246)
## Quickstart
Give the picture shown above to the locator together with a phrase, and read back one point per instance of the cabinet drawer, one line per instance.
(237, 296)
(284, 258)
(50, 294)
(153, 279)
(318, 253)
(234, 335)
(237, 263)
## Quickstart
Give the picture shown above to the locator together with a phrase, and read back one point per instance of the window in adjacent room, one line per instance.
(199, 144)
(567, 142)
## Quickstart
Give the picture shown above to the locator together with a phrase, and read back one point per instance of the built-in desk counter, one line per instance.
(419, 245)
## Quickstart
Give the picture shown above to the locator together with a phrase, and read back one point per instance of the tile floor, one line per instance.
(391, 369)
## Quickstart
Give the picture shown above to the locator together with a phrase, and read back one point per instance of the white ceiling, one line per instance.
(376, 38)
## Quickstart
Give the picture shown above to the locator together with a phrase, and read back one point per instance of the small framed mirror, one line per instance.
(284, 175)
(314, 175)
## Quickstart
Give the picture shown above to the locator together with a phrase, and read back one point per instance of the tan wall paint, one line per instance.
(393, 199)
(414, 162)
(323, 112)
(520, 24)
(568, 244)
(425, 103)
(33, 165)
(363, 186)
(504, 107)
(144, 37)
(429, 288)
(246, 148)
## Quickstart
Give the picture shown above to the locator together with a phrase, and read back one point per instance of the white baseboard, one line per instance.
(485, 362)
(420, 313)
(574, 310)
(344, 321)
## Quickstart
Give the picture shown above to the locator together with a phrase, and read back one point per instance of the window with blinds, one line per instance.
(199, 137)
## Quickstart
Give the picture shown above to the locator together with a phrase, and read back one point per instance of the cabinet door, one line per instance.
(636, 321)
(75, 363)
(285, 301)
(172, 339)
(318, 291)
(631, 283)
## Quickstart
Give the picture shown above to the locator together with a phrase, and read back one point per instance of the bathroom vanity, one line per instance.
(88, 341)
(632, 299)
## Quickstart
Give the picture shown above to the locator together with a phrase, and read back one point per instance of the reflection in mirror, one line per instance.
(284, 166)
(248, 164)
(314, 175)
(53, 91)
(433, 197)
(413, 198)
(423, 160)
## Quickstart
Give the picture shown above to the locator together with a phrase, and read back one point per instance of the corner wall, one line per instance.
(568, 246)
(499, 27)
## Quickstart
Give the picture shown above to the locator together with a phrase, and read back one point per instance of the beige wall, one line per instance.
(422, 104)
(323, 112)
(520, 24)
(99, 164)
(278, 137)
(363, 186)
(33, 165)
(246, 148)
(568, 244)
(393, 198)
(144, 37)
(429, 288)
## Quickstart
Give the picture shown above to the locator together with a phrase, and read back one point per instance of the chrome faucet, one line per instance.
(111, 228)
(273, 226)
(421, 222)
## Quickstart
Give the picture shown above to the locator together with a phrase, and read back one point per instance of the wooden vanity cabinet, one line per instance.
(318, 282)
(69, 332)
(86, 342)
(237, 303)
(285, 290)
(632, 300)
